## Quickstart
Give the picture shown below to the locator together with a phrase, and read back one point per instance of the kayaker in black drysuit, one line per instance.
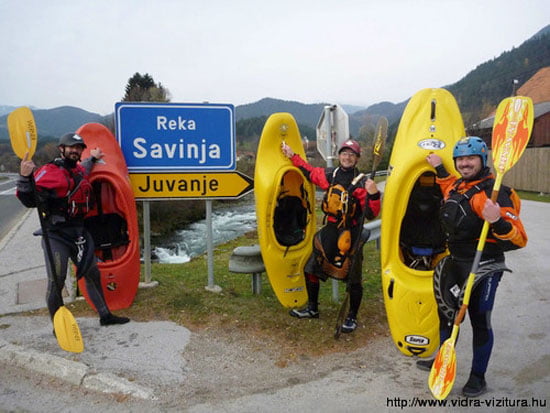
(65, 196)
(334, 254)
(467, 204)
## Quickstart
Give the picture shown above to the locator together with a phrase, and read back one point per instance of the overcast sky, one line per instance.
(82, 53)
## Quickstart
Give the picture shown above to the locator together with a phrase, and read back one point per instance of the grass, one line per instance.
(181, 297)
(534, 196)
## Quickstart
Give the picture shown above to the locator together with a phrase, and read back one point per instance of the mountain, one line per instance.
(303, 113)
(353, 108)
(392, 111)
(6, 109)
(477, 94)
(542, 32)
(55, 122)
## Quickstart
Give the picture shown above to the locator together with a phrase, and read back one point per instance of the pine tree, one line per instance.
(142, 88)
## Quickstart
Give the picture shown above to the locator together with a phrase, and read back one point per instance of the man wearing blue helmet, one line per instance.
(466, 205)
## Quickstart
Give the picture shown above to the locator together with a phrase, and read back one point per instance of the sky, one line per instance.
(359, 52)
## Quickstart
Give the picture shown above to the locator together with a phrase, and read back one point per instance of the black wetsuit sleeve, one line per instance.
(441, 171)
(25, 192)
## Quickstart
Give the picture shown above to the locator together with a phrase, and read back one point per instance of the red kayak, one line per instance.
(113, 221)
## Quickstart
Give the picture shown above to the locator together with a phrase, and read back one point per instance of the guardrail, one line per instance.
(374, 228)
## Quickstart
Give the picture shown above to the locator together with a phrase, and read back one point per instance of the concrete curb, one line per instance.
(72, 372)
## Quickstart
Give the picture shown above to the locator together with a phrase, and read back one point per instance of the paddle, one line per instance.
(378, 146)
(511, 131)
(22, 129)
(341, 314)
(23, 137)
(381, 134)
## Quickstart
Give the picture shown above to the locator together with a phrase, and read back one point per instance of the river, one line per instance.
(228, 222)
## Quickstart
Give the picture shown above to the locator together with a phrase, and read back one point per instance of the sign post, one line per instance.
(175, 151)
(332, 131)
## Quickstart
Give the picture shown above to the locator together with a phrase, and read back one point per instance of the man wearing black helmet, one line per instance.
(63, 191)
(344, 224)
(466, 205)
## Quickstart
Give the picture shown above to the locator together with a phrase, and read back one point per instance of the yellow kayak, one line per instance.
(412, 241)
(285, 210)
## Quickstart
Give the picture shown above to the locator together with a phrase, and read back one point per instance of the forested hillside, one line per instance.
(479, 92)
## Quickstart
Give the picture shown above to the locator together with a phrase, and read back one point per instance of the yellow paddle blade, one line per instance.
(511, 131)
(67, 331)
(22, 129)
(381, 134)
(443, 373)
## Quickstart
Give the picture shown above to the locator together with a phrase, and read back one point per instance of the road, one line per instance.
(10, 207)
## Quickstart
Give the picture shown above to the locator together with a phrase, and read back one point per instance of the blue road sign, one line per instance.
(174, 137)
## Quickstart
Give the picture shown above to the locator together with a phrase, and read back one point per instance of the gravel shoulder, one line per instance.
(183, 368)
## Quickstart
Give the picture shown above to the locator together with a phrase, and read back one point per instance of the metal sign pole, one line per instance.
(146, 242)
(210, 250)
(329, 123)
(329, 136)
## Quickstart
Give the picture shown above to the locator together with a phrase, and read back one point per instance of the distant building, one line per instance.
(531, 172)
(538, 89)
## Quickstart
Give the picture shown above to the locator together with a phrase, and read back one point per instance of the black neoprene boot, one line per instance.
(111, 319)
(425, 364)
(312, 309)
(475, 386)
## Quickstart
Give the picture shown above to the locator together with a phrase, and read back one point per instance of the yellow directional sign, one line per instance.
(190, 185)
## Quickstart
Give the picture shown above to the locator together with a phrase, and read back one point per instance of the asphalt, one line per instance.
(126, 359)
(113, 357)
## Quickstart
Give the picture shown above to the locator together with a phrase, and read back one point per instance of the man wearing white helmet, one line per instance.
(466, 205)
(337, 252)
(65, 195)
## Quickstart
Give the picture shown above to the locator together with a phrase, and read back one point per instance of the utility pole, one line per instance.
(515, 81)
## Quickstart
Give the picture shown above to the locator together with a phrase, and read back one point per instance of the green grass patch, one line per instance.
(534, 196)
(181, 297)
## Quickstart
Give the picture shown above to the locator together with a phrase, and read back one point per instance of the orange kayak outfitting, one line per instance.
(113, 221)
(412, 241)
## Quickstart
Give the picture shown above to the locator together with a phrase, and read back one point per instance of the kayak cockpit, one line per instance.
(106, 223)
(422, 239)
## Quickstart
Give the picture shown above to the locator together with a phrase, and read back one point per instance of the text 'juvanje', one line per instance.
(200, 186)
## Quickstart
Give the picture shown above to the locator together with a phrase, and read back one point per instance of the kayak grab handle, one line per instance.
(432, 113)
(390, 288)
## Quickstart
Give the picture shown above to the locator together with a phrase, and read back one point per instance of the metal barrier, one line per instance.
(248, 259)
(374, 228)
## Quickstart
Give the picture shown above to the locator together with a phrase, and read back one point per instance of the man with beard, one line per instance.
(62, 191)
(466, 205)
